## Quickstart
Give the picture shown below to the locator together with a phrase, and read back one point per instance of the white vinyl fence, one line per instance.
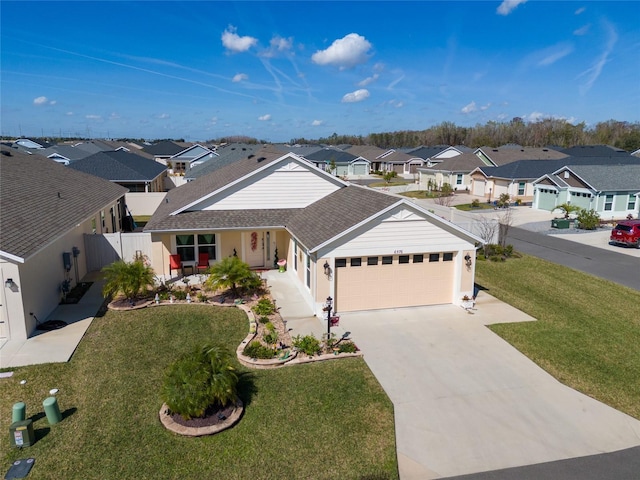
(102, 250)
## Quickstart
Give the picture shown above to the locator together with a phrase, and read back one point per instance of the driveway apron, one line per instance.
(466, 401)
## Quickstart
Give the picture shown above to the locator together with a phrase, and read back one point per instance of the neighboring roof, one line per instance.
(594, 151)
(69, 152)
(429, 152)
(609, 178)
(45, 203)
(370, 152)
(511, 153)
(119, 166)
(464, 162)
(165, 148)
(532, 169)
(326, 155)
(302, 150)
(226, 155)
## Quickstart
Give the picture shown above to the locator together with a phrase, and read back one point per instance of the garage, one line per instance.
(359, 168)
(478, 187)
(377, 282)
(546, 199)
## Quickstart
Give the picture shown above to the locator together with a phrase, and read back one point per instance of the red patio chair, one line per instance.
(203, 261)
(175, 263)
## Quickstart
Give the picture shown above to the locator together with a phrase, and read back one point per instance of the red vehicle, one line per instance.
(626, 233)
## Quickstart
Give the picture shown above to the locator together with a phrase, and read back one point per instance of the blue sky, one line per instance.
(283, 70)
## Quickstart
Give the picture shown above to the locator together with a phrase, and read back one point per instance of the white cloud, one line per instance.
(580, 10)
(594, 72)
(396, 103)
(317, 123)
(357, 96)
(471, 107)
(114, 116)
(238, 77)
(345, 52)
(553, 54)
(234, 42)
(265, 118)
(485, 107)
(93, 117)
(281, 44)
(40, 100)
(368, 80)
(69, 114)
(163, 116)
(582, 30)
(508, 6)
(535, 116)
(213, 120)
(53, 102)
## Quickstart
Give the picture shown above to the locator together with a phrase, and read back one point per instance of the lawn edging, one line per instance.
(170, 424)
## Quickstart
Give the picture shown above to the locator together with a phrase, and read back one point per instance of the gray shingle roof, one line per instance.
(461, 163)
(594, 151)
(513, 153)
(42, 200)
(610, 178)
(165, 148)
(327, 154)
(119, 166)
(228, 154)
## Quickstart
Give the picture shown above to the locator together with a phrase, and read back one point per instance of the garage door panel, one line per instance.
(370, 287)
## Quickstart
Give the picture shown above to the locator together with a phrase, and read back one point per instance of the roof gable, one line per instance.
(192, 153)
(119, 166)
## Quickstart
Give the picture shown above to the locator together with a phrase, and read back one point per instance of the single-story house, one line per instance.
(229, 153)
(610, 190)
(347, 164)
(387, 160)
(47, 209)
(366, 249)
(509, 153)
(135, 173)
(453, 170)
(436, 153)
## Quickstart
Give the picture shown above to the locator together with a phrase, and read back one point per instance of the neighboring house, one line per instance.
(227, 154)
(347, 164)
(602, 151)
(516, 178)
(136, 173)
(44, 217)
(611, 190)
(163, 151)
(67, 153)
(437, 153)
(387, 160)
(453, 170)
(190, 157)
(366, 249)
(30, 144)
(496, 157)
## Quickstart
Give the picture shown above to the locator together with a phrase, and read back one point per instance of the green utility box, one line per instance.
(51, 410)
(19, 412)
(560, 223)
(21, 434)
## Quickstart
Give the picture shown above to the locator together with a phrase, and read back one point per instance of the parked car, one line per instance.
(626, 233)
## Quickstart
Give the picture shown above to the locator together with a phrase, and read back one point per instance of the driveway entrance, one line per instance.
(466, 401)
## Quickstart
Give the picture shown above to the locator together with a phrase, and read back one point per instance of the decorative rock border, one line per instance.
(171, 425)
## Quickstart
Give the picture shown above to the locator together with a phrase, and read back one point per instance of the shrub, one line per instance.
(180, 294)
(202, 297)
(131, 279)
(308, 344)
(271, 337)
(347, 347)
(233, 273)
(588, 219)
(263, 319)
(198, 380)
(475, 203)
(257, 350)
(264, 307)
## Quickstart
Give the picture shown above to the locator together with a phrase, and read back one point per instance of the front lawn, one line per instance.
(324, 420)
(588, 329)
(469, 207)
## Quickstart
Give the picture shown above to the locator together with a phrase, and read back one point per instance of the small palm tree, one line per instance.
(567, 209)
(233, 273)
(200, 380)
(130, 279)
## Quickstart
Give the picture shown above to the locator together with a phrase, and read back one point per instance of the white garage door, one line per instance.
(371, 283)
(478, 187)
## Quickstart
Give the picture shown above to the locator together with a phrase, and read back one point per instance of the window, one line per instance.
(308, 271)
(356, 262)
(447, 257)
(186, 247)
(418, 258)
(341, 262)
(403, 259)
(434, 257)
(631, 204)
(387, 260)
(608, 202)
(372, 260)
(521, 187)
(295, 256)
(459, 179)
(207, 244)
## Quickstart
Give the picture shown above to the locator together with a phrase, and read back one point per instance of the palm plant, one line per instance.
(567, 209)
(199, 380)
(130, 279)
(233, 273)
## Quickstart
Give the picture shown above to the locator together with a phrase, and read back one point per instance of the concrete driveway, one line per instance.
(466, 401)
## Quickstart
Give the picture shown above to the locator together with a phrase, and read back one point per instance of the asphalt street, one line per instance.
(616, 267)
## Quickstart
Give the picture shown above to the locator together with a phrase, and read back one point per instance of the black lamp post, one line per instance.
(328, 307)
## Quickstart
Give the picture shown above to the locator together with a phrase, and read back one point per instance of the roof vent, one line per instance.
(251, 156)
(261, 159)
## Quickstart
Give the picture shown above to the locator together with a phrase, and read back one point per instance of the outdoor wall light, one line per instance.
(327, 269)
(467, 259)
(9, 283)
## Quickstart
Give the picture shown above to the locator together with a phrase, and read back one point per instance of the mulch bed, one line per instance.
(212, 417)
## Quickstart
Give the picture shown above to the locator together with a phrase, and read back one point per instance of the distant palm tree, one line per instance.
(130, 279)
(567, 209)
(200, 380)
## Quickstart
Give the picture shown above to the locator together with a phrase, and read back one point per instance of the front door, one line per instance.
(254, 248)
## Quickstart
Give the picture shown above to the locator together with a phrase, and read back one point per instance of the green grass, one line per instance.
(392, 183)
(588, 329)
(418, 194)
(467, 207)
(323, 421)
